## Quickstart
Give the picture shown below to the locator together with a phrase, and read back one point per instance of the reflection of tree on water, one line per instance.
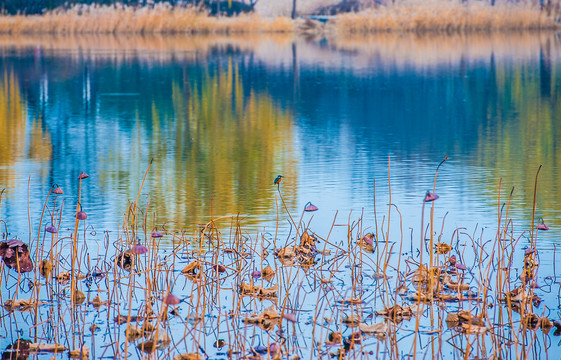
(215, 142)
(523, 129)
(479, 97)
(545, 68)
(18, 138)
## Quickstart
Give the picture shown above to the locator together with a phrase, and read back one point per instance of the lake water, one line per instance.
(341, 118)
(222, 118)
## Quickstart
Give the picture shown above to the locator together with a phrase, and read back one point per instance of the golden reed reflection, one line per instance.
(420, 50)
(526, 107)
(216, 152)
(18, 139)
(397, 49)
(222, 143)
(152, 47)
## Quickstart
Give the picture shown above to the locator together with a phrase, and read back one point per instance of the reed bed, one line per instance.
(400, 16)
(361, 291)
(161, 18)
(448, 16)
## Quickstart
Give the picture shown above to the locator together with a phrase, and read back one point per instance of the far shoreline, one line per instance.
(411, 16)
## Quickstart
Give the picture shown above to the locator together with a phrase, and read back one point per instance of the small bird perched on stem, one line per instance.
(278, 180)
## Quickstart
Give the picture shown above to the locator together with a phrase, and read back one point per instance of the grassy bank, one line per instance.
(455, 16)
(403, 16)
(159, 19)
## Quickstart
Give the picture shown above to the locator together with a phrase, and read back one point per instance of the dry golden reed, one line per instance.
(401, 16)
(159, 19)
(451, 16)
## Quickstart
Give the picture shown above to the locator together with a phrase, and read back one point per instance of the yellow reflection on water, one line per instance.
(215, 152)
(18, 140)
(527, 130)
(216, 145)
(12, 121)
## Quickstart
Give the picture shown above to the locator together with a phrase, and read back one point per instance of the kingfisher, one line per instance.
(278, 180)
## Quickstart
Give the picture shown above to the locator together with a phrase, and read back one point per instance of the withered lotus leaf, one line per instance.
(79, 297)
(309, 207)
(268, 273)
(258, 291)
(96, 302)
(157, 234)
(171, 299)
(557, 325)
(461, 266)
(20, 304)
(473, 329)
(219, 268)
(352, 320)
(290, 317)
(369, 238)
(545, 324)
(353, 301)
(133, 333)
(452, 320)
(420, 296)
(124, 260)
(65, 276)
(286, 252)
(82, 353)
(442, 248)
(159, 340)
(266, 320)
(247, 289)
(308, 241)
(188, 356)
(454, 285)
(530, 321)
(219, 343)
(270, 313)
(335, 337)
(466, 317)
(430, 197)
(252, 319)
(397, 313)
(379, 329)
(15, 255)
(353, 339)
(43, 347)
(122, 319)
(193, 270)
(19, 350)
(139, 249)
(542, 226)
(45, 268)
(269, 292)
(148, 328)
(421, 275)
(401, 290)
(366, 244)
(194, 318)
